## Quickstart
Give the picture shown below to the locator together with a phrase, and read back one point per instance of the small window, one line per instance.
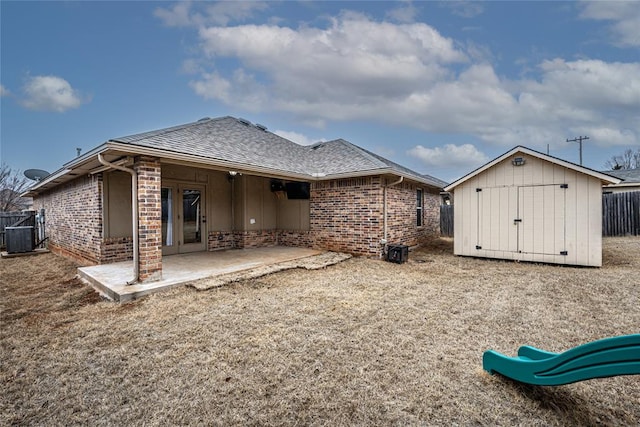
(419, 207)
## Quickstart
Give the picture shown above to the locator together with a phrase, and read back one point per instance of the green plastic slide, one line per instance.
(607, 357)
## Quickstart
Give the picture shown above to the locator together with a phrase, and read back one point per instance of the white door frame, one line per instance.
(178, 227)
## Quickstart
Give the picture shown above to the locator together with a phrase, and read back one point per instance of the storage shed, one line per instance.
(529, 206)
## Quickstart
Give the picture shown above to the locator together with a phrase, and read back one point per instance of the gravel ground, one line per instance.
(362, 342)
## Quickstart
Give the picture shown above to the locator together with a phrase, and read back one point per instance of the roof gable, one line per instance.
(229, 142)
(225, 139)
(237, 140)
(606, 179)
(342, 157)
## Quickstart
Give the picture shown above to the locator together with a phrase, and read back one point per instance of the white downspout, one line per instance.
(384, 208)
(134, 214)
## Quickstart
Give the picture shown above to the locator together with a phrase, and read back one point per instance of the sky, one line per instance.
(439, 87)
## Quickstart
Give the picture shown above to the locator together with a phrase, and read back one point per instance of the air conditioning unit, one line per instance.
(397, 253)
(20, 239)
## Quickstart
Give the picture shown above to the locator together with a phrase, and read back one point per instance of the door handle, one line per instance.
(517, 220)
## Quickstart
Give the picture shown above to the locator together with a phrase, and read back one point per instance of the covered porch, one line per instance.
(111, 279)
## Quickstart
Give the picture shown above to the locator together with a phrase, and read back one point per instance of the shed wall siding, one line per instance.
(552, 219)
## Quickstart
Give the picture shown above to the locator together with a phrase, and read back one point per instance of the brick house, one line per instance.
(226, 183)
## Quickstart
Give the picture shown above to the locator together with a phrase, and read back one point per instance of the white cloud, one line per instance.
(450, 155)
(185, 13)
(351, 67)
(224, 12)
(624, 17)
(212, 86)
(465, 9)
(410, 75)
(296, 137)
(177, 16)
(404, 14)
(4, 91)
(620, 137)
(50, 93)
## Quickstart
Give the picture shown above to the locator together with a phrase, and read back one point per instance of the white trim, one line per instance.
(520, 149)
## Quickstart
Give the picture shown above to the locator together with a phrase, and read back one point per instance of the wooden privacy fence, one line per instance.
(446, 220)
(621, 214)
(14, 219)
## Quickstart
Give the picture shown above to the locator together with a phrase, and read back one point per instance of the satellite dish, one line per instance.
(36, 174)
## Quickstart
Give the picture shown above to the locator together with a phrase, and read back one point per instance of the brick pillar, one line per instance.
(149, 218)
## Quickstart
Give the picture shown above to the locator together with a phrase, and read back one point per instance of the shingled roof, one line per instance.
(237, 143)
(627, 175)
(341, 157)
(240, 141)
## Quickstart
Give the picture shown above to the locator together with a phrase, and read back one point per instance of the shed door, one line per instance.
(525, 219)
(497, 207)
(541, 219)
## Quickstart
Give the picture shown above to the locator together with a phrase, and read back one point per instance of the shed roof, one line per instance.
(605, 178)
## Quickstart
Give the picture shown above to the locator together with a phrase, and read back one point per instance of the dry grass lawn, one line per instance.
(363, 342)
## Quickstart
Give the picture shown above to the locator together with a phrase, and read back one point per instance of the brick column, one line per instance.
(149, 218)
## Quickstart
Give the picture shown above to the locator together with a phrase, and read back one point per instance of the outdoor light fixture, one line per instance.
(233, 173)
(518, 161)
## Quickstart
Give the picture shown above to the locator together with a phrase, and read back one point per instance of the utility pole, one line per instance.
(579, 141)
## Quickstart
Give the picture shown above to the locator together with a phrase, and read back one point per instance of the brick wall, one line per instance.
(220, 240)
(250, 239)
(346, 215)
(115, 249)
(295, 238)
(149, 218)
(254, 239)
(402, 225)
(73, 215)
(432, 201)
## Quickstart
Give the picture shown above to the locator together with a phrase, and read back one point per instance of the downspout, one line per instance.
(134, 214)
(384, 209)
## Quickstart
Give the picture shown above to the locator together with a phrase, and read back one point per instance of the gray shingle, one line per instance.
(235, 140)
(627, 175)
(226, 139)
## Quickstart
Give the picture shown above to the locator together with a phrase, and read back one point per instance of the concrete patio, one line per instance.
(111, 279)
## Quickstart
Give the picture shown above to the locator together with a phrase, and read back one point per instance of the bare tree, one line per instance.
(12, 184)
(630, 159)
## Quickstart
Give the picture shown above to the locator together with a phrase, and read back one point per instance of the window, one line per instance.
(419, 207)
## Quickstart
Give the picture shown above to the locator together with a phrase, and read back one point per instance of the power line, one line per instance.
(579, 141)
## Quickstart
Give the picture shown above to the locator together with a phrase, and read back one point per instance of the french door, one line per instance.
(183, 218)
